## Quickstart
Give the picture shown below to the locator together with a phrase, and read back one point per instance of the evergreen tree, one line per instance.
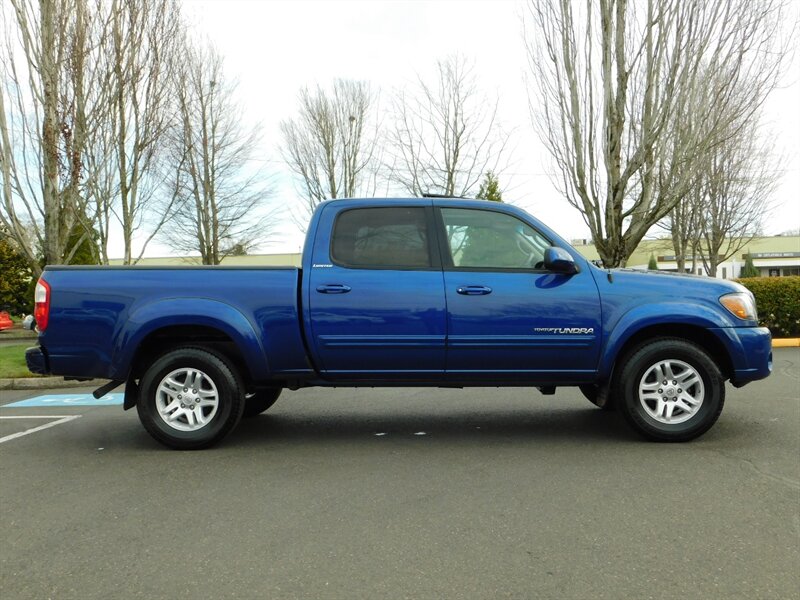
(87, 252)
(16, 295)
(490, 188)
(749, 269)
(652, 265)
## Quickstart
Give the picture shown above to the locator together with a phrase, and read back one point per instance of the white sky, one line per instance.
(273, 48)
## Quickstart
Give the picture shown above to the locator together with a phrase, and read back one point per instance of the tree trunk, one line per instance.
(679, 247)
(50, 192)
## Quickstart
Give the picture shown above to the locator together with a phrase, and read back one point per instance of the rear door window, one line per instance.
(382, 238)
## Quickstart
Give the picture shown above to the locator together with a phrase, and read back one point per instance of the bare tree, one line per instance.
(735, 194)
(446, 134)
(684, 225)
(725, 204)
(48, 102)
(331, 144)
(683, 222)
(139, 55)
(609, 78)
(218, 189)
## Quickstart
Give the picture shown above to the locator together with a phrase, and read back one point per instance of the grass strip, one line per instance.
(12, 362)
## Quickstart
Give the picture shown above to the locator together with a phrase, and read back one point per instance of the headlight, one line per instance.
(740, 304)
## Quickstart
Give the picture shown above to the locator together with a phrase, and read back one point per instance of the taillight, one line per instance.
(41, 297)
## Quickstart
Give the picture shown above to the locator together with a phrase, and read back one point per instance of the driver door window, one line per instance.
(482, 239)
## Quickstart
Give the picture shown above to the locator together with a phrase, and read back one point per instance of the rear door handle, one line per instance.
(474, 290)
(333, 288)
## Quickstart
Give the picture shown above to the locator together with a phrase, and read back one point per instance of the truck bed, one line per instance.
(100, 315)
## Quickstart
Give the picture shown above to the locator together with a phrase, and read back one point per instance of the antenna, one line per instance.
(427, 195)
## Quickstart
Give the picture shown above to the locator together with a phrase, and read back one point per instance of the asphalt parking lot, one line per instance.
(420, 493)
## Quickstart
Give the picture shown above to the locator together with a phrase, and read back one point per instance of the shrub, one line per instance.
(778, 302)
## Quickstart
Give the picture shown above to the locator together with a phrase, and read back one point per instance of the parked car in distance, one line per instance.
(405, 292)
(29, 323)
(5, 321)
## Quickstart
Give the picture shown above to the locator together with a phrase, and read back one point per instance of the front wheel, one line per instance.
(671, 390)
(190, 398)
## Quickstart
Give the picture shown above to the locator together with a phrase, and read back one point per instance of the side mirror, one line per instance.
(559, 260)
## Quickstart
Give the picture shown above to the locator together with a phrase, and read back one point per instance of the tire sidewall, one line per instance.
(229, 409)
(713, 384)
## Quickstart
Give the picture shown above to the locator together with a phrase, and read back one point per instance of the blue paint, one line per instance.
(69, 400)
(394, 325)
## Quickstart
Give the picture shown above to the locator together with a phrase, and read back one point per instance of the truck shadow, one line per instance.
(580, 425)
(331, 429)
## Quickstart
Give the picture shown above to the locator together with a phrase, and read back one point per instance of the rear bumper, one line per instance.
(37, 361)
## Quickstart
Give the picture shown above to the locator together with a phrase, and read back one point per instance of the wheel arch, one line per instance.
(158, 327)
(164, 339)
(701, 336)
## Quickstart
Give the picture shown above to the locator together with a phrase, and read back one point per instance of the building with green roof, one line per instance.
(772, 256)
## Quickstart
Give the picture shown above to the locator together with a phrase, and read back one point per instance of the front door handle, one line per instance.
(474, 290)
(333, 288)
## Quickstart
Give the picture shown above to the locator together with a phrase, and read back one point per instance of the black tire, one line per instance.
(223, 416)
(599, 395)
(261, 400)
(641, 362)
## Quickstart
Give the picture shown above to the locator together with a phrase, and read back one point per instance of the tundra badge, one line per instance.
(565, 330)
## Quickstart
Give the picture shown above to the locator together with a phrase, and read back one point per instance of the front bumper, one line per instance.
(37, 361)
(755, 360)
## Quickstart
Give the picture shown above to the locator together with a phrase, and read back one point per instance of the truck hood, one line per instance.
(678, 284)
(665, 296)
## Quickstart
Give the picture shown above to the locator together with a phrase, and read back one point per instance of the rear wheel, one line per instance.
(671, 390)
(190, 398)
(259, 401)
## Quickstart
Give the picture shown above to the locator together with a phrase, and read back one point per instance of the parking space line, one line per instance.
(34, 416)
(61, 419)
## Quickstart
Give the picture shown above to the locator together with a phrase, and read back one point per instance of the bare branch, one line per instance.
(446, 134)
(605, 100)
(331, 145)
(218, 194)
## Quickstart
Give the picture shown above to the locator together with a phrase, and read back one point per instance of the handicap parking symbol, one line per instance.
(69, 400)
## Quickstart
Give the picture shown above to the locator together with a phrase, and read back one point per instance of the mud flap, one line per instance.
(131, 394)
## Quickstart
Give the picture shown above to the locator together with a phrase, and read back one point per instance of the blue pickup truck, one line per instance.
(416, 292)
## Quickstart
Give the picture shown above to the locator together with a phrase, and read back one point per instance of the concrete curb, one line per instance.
(786, 343)
(46, 383)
